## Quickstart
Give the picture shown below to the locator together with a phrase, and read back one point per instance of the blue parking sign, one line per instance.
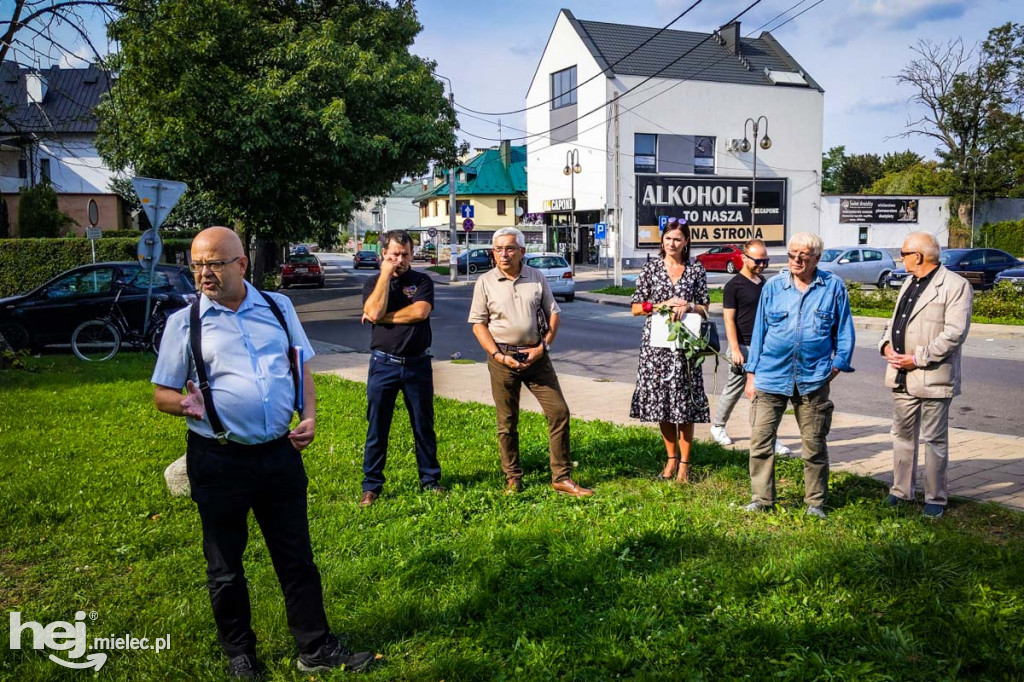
(662, 222)
(600, 230)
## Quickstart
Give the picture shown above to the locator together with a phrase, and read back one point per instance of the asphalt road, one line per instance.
(602, 341)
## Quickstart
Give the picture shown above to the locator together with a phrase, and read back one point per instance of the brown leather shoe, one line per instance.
(514, 486)
(567, 486)
(369, 497)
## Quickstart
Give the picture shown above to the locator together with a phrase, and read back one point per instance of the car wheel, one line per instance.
(17, 336)
(883, 280)
(569, 298)
(730, 267)
(472, 268)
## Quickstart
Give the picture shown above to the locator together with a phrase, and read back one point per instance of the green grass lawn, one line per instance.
(715, 294)
(645, 581)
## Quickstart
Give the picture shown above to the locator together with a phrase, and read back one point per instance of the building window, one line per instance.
(862, 236)
(501, 207)
(645, 148)
(459, 203)
(563, 88)
(423, 211)
(447, 206)
(376, 217)
(22, 168)
(44, 169)
(703, 155)
(434, 205)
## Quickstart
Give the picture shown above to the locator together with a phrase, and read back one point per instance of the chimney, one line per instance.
(505, 151)
(731, 36)
(35, 86)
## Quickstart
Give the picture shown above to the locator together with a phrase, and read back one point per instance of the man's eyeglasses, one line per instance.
(800, 257)
(506, 249)
(762, 262)
(214, 265)
(904, 254)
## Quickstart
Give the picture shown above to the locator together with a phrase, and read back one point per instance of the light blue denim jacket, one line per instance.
(799, 337)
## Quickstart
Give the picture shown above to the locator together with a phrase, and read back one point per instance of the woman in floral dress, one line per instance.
(669, 388)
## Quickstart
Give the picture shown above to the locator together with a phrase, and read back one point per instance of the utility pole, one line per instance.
(572, 167)
(618, 205)
(453, 235)
(766, 143)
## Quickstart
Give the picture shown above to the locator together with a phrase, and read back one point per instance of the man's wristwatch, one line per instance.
(547, 346)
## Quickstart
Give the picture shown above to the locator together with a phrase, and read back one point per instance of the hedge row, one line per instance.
(27, 263)
(1004, 301)
(1007, 235)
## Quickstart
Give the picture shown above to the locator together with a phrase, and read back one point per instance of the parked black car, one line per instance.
(1014, 276)
(366, 259)
(48, 315)
(978, 266)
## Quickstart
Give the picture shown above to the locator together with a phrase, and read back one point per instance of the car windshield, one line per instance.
(946, 256)
(829, 255)
(546, 262)
(303, 259)
(367, 254)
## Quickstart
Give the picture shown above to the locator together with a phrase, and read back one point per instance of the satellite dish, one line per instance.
(519, 211)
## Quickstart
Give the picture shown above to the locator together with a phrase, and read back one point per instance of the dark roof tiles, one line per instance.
(71, 95)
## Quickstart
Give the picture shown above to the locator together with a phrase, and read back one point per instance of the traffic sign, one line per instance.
(93, 232)
(600, 230)
(158, 197)
(432, 232)
(467, 211)
(151, 247)
(467, 224)
(662, 222)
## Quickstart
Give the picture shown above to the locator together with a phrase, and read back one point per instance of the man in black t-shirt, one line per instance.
(739, 307)
(398, 302)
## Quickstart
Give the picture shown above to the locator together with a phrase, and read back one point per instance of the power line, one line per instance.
(596, 75)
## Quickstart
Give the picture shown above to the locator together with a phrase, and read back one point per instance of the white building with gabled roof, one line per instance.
(683, 101)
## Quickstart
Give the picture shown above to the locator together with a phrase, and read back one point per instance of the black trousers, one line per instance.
(229, 480)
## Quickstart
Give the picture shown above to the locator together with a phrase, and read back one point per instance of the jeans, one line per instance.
(541, 380)
(415, 380)
(229, 480)
(814, 417)
(731, 393)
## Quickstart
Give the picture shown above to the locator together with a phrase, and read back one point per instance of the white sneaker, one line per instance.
(781, 449)
(720, 436)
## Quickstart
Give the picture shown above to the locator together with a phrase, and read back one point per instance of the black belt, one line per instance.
(398, 359)
(235, 447)
(510, 348)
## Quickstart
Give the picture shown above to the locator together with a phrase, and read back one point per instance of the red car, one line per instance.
(728, 258)
(302, 269)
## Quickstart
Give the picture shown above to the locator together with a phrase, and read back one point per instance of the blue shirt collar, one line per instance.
(252, 298)
(818, 279)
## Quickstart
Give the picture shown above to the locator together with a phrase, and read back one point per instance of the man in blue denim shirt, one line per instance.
(803, 337)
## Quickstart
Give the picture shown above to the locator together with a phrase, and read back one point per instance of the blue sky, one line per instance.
(490, 49)
(853, 48)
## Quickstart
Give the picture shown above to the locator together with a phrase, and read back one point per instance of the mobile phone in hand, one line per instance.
(520, 357)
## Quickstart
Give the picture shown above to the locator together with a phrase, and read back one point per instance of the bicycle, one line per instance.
(101, 339)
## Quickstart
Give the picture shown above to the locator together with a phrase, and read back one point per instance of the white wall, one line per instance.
(795, 126)
(932, 217)
(76, 166)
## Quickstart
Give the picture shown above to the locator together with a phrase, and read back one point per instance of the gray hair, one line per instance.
(505, 231)
(927, 244)
(810, 240)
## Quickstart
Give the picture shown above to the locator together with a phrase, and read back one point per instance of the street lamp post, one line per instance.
(572, 167)
(745, 146)
(453, 235)
(973, 160)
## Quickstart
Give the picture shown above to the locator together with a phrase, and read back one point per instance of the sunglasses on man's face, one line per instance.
(762, 262)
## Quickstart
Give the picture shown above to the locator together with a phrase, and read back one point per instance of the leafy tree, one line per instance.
(831, 163)
(894, 162)
(925, 178)
(287, 113)
(972, 100)
(858, 172)
(38, 214)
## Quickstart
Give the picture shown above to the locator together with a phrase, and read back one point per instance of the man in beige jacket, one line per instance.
(922, 346)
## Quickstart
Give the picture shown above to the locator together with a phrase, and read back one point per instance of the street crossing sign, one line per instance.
(158, 197)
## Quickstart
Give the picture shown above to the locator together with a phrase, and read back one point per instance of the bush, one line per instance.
(875, 299)
(1004, 301)
(38, 215)
(1007, 235)
(28, 263)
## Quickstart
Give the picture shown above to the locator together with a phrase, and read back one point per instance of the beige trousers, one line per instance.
(915, 420)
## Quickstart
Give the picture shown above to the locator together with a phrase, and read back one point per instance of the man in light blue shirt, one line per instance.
(242, 453)
(803, 337)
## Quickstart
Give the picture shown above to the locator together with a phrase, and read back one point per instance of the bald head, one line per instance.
(220, 239)
(218, 253)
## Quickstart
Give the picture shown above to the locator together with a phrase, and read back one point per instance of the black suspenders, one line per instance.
(195, 333)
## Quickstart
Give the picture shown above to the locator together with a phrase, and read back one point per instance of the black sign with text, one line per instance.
(857, 210)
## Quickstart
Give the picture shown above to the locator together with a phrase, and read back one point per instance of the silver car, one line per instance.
(557, 272)
(858, 264)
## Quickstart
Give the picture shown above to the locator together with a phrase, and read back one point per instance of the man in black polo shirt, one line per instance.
(398, 302)
(739, 308)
